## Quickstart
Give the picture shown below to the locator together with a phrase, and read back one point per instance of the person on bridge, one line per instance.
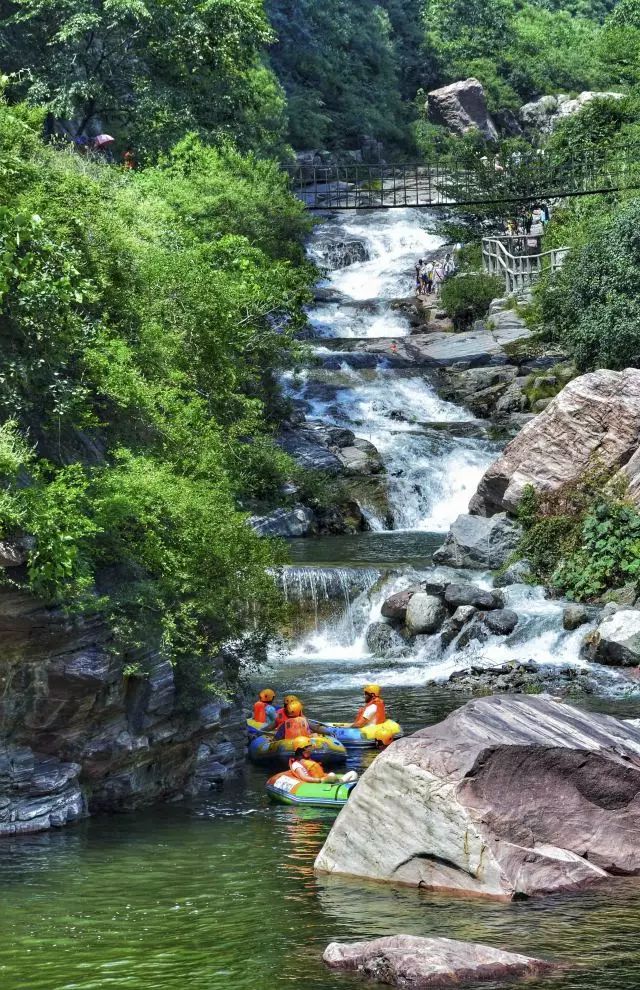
(310, 771)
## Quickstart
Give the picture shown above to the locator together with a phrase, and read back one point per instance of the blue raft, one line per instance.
(325, 749)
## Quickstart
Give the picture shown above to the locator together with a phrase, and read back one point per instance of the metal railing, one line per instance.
(445, 182)
(519, 261)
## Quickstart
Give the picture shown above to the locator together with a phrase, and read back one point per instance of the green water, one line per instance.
(222, 895)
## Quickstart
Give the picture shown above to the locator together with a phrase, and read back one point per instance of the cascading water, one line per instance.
(433, 457)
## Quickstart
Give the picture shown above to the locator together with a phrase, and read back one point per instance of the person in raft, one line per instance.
(373, 711)
(264, 711)
(295, 724)
(281, 714)
(310, 771)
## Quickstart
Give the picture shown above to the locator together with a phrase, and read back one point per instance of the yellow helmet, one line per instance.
(301, 742)
(288, 698)
(267, 695)
(372, 689)
(294, 708)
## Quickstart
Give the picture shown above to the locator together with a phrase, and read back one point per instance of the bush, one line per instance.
(143, 321)
(466, 298)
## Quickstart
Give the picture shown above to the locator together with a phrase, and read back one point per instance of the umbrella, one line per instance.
(102, 139)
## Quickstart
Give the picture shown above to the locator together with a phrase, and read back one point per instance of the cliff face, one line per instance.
(77, 737)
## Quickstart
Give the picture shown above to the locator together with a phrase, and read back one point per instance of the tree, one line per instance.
(148, 69)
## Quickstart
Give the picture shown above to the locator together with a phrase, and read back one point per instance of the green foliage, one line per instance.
(583, 539)
(143, 320)
(466, 298)
(147, 69)
(340, 69)
(591, 305)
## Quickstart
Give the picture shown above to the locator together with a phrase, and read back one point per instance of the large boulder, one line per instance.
(478, 542)
(384, 641)
(411, 961)
(463, 593)
(395, 606)
(594, 420)
(461, 107)
(512, 795)
(361, 457)
(425, 614)
(617, 639)
(298, 521)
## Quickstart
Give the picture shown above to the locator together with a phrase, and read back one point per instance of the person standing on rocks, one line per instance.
(418, 267)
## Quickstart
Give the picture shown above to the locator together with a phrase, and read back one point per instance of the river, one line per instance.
(221, 894)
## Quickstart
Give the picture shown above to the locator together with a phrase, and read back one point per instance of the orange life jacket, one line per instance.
(260, 712)
(297, 726)
(379, 717)
(281, 717)
(313, 769)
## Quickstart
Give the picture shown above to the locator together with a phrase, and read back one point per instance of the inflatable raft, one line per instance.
(287, 789)
(369, 735)
(325, 749)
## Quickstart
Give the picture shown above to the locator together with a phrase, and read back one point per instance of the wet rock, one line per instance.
(617, 639)
(435, 586)
(361, 458)
(513, 399)
(502, 621)
(298, 521)
(308, 449)
(452, 626)
(461, 107)
(384, 641)
(37, 792)
(410, 961)
(598, 413)
(477, 542)
(519, 572)
(395, 606)
(574, 616)
(527, 677)
(337, 254)
(425, 614)
(469, 594)
(471, 804)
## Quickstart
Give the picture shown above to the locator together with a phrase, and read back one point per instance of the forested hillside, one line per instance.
(353, 68)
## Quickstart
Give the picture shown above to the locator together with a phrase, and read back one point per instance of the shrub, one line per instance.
(466, 298)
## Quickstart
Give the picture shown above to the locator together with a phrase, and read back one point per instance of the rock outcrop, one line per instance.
(545, 114)
(508, 796)
(479, 542)
(593, 422)
(411, 961)
(461, 107)
(77, 735)
(297, 521)
(616, 640)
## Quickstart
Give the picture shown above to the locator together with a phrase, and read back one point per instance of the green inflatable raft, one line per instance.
(285, 788)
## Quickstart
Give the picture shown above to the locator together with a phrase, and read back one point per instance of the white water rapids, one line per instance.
(431, 473)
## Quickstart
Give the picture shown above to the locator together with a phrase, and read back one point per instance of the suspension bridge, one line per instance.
(485, 182)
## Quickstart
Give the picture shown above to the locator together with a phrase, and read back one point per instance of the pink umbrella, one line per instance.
(102, 139)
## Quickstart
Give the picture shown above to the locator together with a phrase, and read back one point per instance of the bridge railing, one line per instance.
(468, 182)
(518, 260)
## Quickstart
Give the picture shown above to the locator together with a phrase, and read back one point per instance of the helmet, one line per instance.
(372, 689)
(294, 708)
(288, 698)
(301, 742)
(267, 695)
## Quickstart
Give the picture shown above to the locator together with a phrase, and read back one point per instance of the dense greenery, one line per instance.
(149, 70)
(584, 538)
(143, 316)
(467, 297)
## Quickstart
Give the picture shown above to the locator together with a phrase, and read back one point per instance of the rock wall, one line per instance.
(77, 736)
